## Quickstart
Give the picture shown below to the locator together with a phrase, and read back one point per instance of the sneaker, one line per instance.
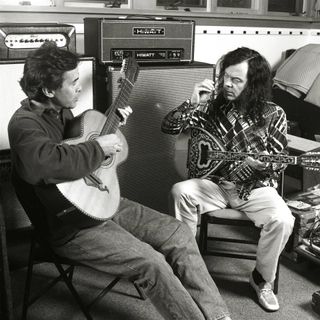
(265, 295)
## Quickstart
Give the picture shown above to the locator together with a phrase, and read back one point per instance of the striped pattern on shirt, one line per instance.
(238, 134)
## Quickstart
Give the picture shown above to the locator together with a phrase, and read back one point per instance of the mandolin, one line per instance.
(198, 154)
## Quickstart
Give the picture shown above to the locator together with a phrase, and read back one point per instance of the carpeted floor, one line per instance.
(297, 283)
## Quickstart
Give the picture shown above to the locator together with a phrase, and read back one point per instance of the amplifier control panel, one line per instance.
(18, 39)
(147, 55)
(31, 41)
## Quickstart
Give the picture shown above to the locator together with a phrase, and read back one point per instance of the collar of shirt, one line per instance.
(232, 108)
(40, 108)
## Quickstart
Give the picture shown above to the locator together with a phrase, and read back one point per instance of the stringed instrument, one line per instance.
(98, 194)
(199, 154)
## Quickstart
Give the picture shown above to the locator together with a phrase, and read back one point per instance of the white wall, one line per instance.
(11, 93)
(211, 42)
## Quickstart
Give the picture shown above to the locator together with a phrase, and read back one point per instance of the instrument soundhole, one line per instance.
(108, 160)
(203, 154)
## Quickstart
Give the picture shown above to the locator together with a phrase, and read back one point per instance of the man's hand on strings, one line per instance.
(202, 91)
(110, 144)
(124, 114)
(257, 164)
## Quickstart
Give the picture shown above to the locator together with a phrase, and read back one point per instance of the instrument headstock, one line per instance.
(310, 161)
(129, 69)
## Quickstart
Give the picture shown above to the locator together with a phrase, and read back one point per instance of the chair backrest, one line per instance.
(31, 204)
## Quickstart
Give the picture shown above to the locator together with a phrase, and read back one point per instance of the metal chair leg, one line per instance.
(73, 291)
(65, 274)
(28, 281)
(276, 280)
(203, 234)
(140, 291)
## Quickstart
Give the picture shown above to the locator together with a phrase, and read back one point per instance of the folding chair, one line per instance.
(42, 251)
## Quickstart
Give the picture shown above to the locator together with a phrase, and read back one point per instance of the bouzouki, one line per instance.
(98, 194)
(199, 154)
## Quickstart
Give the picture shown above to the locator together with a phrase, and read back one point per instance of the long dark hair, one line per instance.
(258, 89)
(44, 68)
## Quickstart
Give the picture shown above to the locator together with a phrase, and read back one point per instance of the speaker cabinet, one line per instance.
(149, 172)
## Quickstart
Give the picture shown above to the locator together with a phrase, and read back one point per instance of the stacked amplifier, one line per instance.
(164, 52)
(18, 39)
(147, 40)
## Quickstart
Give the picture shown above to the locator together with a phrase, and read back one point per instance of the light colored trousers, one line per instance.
(265, 208)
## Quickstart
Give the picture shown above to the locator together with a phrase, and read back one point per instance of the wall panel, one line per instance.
(211, 42)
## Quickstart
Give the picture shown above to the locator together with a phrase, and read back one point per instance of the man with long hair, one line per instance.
(238, 112)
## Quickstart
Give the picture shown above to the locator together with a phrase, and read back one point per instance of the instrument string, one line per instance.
(113, 119)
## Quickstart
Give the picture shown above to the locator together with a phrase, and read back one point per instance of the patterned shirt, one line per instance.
(237, 133)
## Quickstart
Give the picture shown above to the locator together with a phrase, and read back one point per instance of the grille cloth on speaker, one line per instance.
(149, 173)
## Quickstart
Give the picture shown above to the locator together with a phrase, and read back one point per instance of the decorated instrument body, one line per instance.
(199, 154)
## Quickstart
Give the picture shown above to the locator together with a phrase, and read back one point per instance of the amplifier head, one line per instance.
(17, 40)
(111, 40)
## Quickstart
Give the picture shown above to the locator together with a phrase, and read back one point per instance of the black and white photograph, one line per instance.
(160, 160)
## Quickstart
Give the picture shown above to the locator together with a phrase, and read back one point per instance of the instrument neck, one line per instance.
(113, 119)
(240, 156)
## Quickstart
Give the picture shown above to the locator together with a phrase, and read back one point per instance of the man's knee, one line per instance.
(151, 262)
(284, 220)
(289, 223)
(179, 189)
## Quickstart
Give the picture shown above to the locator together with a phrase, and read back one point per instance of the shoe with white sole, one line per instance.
(266, 296)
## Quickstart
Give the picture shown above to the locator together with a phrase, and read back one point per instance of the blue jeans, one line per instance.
(158, 253)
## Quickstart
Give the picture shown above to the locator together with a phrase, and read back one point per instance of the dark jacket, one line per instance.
(41, 160)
